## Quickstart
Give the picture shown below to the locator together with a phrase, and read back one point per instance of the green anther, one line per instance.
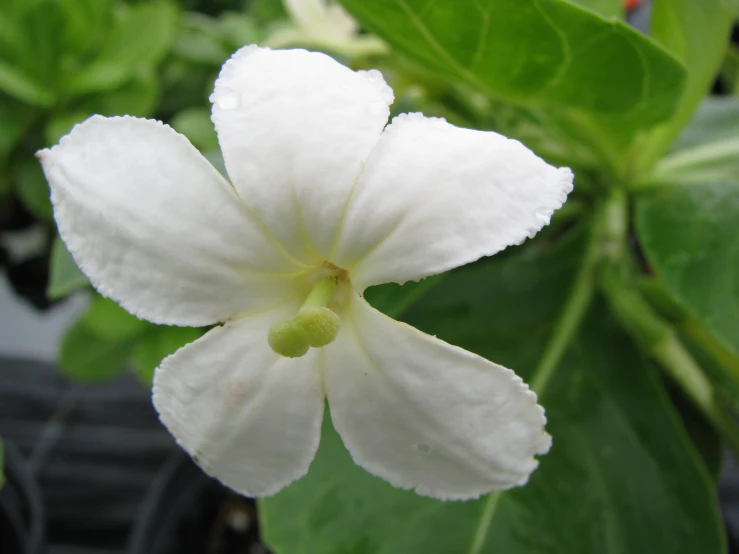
(314, 325)
(287, 339)
(320, 325)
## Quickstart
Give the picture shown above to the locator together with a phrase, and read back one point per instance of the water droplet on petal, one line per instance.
(227, 100)
(374, 75)
(423, 448)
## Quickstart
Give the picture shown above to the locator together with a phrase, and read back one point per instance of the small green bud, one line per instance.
(288, 339)
(320, 325)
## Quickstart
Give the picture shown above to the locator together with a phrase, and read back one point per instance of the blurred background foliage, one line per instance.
(635, 280)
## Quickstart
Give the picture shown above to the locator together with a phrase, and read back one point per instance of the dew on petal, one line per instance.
(374, 75)
(226, 99)
(424, 449)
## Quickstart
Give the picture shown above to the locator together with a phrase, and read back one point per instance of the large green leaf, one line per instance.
(622, 476)
(697, 32)
(708, 148)
(543, 52)
(689, 234)
(606, 8)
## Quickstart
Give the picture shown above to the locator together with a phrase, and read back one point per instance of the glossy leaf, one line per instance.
(717, 119)
(708, 149)
(64, 275)
(544, 52)
(688, 233)
(622, 475)
(606, 8)
(698, 34)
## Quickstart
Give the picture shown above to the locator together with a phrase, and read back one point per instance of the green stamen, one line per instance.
(314, 325)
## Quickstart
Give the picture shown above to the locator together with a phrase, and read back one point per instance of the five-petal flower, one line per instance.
(322, 193)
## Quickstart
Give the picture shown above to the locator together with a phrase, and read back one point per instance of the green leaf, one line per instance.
(201, 40)
(239, 29)
(394, 299)
(15, 119)
(61, 123)
(14, 82)
(32, 188)
(606, 8)
(196, 125)
(137, 97)
(86, 24)
(708, 148)
(100, 344)
(64, 275)
(622, 476)
(697, 33)
(140, 38)
(31, 68)
(108, 320)
(688, 233)
(542, 52)
(156, 344)
(86, 356)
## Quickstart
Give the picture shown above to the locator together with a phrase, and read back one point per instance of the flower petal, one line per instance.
(433, 197)
(295, 128)
(155, 227)
(426, 415)
(248, 416)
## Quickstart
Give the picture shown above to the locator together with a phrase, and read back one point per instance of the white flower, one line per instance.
(324, 24)
(327, 199)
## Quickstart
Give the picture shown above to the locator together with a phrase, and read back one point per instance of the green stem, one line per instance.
(321, 293)
(659, 340)
(710, 346)
(607, 239)
(572, 314)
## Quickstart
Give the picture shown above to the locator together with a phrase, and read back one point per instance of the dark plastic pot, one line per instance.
(187, 512)
(21, 507)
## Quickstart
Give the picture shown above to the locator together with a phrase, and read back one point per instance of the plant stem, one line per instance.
(574, 310)
(607, 230)
(321, 293)
(659, 340)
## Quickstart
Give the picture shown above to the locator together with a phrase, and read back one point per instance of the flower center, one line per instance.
(315, 325)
